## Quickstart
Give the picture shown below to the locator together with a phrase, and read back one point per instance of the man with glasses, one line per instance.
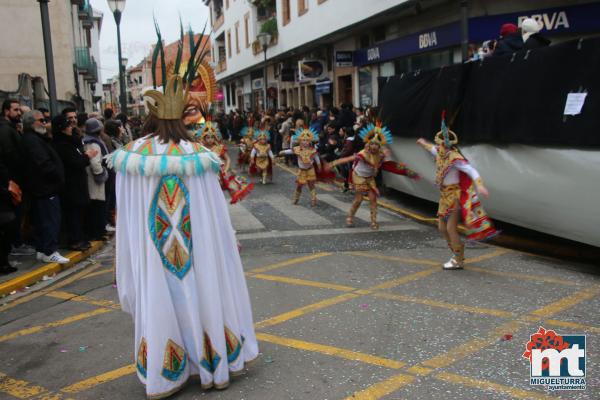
(45, 178)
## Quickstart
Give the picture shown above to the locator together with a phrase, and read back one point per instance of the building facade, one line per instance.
(331, 52)
(75, 28)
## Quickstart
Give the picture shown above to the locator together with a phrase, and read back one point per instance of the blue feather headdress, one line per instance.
(259, 134)
(305, 134)
(376, 133)
(208, 128)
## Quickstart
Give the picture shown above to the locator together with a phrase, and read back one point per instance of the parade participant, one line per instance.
(459, 185)
(366, 166)
(210, 137)
(261, 157)
(179, 272)
(246, 145)
(308, 162)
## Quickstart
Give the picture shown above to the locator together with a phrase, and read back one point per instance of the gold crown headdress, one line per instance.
(171, 103)
(445, 136)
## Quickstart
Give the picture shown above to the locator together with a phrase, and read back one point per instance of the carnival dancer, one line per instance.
(366, 166)
(261, 157)
(210, 137)
(459, 185)
(246, 145)
(308, 162)
(179, 272)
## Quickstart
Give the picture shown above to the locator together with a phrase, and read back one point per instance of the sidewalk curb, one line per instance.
(38, 274)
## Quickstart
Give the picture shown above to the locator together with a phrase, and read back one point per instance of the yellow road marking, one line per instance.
(417, 370)
(404, 279)
(535, 278)
(487, 256)
(89, 383)
(83, 299)
(330, 350)
(304, 282)
(416, 261)
(383, 388)
(407, 213)
(66, 321)
(567, 302)
(441, 304)
(491, 386)
(81, 274)
(304, 310)
(98, 273)
(572, 325)
(25, 390)
(289, 262)
(37, 274)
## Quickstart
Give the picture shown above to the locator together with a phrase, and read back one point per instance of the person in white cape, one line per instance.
(179, 272)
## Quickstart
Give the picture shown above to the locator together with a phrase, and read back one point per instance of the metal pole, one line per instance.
(122, 95)
(49, 56)
(464, 28)
(265, 81)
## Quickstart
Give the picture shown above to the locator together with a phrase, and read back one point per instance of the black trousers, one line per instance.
(6, 238)
(46, 213)
(74, 216)
(96, 220)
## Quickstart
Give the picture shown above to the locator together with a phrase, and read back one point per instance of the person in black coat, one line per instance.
(44, 180)
(75, 196)
(7, 221)
(510, 40)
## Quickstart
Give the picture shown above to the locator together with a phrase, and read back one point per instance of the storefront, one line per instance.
(440, 45)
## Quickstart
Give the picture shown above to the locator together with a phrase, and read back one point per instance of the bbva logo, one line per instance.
(550, 21)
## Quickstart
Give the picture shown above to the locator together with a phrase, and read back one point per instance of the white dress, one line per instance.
(179, 272)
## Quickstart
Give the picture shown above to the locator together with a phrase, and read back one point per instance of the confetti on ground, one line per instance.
(507, 336)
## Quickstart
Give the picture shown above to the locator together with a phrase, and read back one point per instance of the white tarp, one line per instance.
(551, 190)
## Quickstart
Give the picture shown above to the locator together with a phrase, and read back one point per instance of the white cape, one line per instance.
(179, 272)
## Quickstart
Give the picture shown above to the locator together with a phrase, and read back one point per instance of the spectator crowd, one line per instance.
(55, 187)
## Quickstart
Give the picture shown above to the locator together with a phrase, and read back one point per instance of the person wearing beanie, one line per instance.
(74, 196)
(97, 175)
(532, 39)
(510, 40)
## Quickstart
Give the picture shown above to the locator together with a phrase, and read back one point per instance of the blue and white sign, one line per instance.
(571, 19)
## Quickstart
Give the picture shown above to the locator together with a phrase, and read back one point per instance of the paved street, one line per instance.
(340, 313)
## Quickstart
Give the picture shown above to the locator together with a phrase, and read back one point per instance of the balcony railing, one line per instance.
(218, 22)
(83, 61)
(85, 10)
(92, 73)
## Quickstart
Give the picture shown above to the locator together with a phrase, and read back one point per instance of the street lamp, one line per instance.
(264, 39)
(49, 56)
(124, 61)
(117, 7)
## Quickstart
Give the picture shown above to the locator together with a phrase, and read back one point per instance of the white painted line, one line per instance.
(363, 212)
(297, 213)
(331, 231)
(242, 219)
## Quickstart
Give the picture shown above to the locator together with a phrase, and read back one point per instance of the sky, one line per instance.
(137, 28)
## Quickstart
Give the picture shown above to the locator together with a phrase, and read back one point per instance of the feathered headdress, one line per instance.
(248, 131)
(305, 133)
(376, 133)
(209, 128)
(445, 136)
(259, 134)
(171, 103)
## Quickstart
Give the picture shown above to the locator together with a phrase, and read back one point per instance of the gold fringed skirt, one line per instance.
(449, 200)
